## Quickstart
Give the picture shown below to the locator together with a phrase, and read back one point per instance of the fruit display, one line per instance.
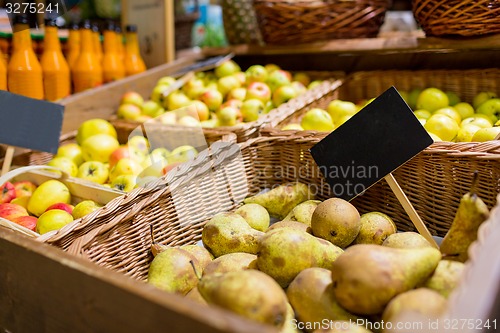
(305, 264)
(224, 96)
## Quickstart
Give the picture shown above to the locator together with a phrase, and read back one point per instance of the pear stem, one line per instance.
(195, 270)
(473, 187)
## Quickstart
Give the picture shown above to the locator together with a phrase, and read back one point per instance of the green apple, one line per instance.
(259, 90)
(125, 166)
(283, 94)
(228, 116)
(252, 109)
(302, 77)
(318, 120)
(314, 84)
(256, 73)
(139, 143)
(124, 183)
(412, 98)
(166, 80)
(64, 164)
(194, 88)
(432, 99)
(71, 151)
(453, 98)
(443, 126)
(93, 127)
(299, 87)
(176, 100)
(271, 68)
(133, 98)
(338, 109)
(152, 109)
(486, 134)
(277, 79)
(292, 127)
(466, 132)
(84, 207)
(212, 99)
(99, 147)
(482, 97)
(227, 83)
(227, 68)
(450, 112)
(128, 111)
(464, 109)
(93, 171)
(159, 154)
(237, 93)
(182, 154)
(46, 194)
(479, 120)
(491, 108)
(158, 94)
(53, 219)
(422, 114)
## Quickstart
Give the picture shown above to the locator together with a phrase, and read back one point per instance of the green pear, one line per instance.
(423, 301)
(312, 298)
(375, 228)
(280, 200)
(255, 215)
(303, 212)
(343, 326)
(249, 293)
(291, 224)
(446, 277)
(366, 277)
(228, 233)
(406, 240)
(174, 270)
(285, 252)
(200, 253)
(231, 262)
(195, 295)
(337, 221)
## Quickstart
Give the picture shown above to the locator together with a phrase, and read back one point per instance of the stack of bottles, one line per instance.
(86, 62)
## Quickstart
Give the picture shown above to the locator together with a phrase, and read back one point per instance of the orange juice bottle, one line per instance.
(24, 72)
(87, 71)
(73, 45)
(119, 43)
(112, 65)
(96, 37)
(133, 60)
(3, 73)
(56, 75)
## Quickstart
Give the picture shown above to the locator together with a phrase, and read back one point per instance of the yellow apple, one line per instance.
(486, 134)
(125, 166)
(139, 143)
(84, 207)
(182, 154)
(71, 151)
(422, 114)
(464, 109)
(92, 127)
(450, 112)
(294, 127)
(479, 120)
(443, 126)
(21, 201)
(124, 183)
(99, 147)
(318, 120)
(338, 109)
(93, 171)
(432, 99)
(466, 132)
(53, 219)
(48, 193)
(64, 164)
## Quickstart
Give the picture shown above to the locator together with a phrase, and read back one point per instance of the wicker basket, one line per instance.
(457, 17)
(306, 21)
(240, 23)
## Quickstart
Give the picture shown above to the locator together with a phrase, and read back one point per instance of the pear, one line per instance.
(282, 199)
(195, 295)
(423, 301)
(174, 270)
(446, 277)
(200, 253)
(311, 296)
(366, 277)
(291, 224)
(337, 221)
(231, 262)
(285, 252)
(228, 233)
(343, 326)
(406, 240)
(375, 228)
(290, 325)
(255, 215)
(471, 213)
(249, 293)
(303, 212)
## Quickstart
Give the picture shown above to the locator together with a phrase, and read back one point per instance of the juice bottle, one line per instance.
(73, 45)
(56, 75)
(96, 37)
(87, 71)
(112, 64)
(24, 72)
(133, 60)
(119, 43)
(3, 73)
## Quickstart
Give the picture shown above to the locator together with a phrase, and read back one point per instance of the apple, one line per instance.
(478, 120)
(157, 95)
(84, 207)
(490, 108)
(62, 206)
(153, 167)
(211, 123)
(124, 183)
(29, 222)
(318, 120)
(443, 126)
(199, 110)
(72, 151)
(486, 134)
(338, 109)
(259, 90)
(128, 111)
(21, 201)
(212, 99)
(299, 87)
(432, 99)
(182, 154)
(64, 164)
(302, 77)
(422, 114)
(412, 98)
(450, 112)
(168, 118)
(227, 68)
(292, 127)
(466, 132)
(169, 167)
(7, 192)
(93, 171)
(256, 73)
(283, 94)
(99, 147)
(138, 144)
(125, 166)
(271, 68)
(314, 84)
(53, 219)
(228, 116)
(48, 193)
(252, 109)
(342, 120)
(268, 107)
(241, 77)
(118, 154)
(464, 109)
(189, 121)
(93, 127)
(453, 98)
(482, 97)
(227, 83)
(194, 88)
(152, 109)
(133, 98)
(237, 93)
(10, 211)
(277, 79)
(159, 154)
(235, 103)
(166, 80)
(176, 100)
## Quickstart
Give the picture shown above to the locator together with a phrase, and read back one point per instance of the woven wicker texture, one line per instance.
(462, 17)
(184, 28)
(305, 21)
(240, 23)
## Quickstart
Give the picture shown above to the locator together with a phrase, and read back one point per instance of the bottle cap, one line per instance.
(74, 26)
(86, 24)
(95, 27)
(131, 28)
(110, 26)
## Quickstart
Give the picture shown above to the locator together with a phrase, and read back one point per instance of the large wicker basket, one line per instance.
(457, 17)
(306, 21)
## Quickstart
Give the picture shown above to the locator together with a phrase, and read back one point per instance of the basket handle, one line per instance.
(16, 172)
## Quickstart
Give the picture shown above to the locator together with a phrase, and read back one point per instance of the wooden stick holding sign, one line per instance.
(384, 135)
(7, 161)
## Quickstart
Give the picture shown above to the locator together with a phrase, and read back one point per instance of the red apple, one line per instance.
(27, 221)
(10, 211)
(260, 91)
(62, 206)
(283, 94)
(7, 192)
(169, 167)
(235, 103)
(24, 188)
(212, 98)
(132, 97)
(118, 154)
